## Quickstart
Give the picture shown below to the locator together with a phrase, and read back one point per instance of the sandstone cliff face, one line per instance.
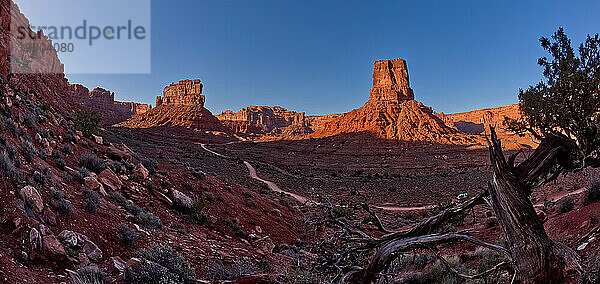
(103, 101)
(390, 81)
(33, 70)
(264, 120)
(391, 112)
(185, 93)
(182, 105)
(475, 122)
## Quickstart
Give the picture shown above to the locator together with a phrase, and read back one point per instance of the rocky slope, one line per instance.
(392, 113)
(182, 104)
(103, 101)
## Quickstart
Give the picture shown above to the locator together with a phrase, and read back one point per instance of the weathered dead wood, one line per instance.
(537, 258)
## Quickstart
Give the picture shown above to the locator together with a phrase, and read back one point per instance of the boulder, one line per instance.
(53, 249)
(181, 200)
(110, 179)
(91, 182)
(69, 238)
(92, 251)
(35, 240)
(115, 154)
(141, 172)
(32, 198)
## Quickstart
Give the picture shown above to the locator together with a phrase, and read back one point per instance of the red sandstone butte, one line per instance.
(182, 104)
(392, 113)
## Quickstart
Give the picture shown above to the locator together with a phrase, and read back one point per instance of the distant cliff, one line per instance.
(103, 101)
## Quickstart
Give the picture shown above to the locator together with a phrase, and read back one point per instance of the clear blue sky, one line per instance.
(317, 56)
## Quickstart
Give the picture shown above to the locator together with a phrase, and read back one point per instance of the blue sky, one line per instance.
(317, 56)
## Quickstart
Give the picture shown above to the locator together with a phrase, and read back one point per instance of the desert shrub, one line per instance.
(160, 264)
(89, 275)
(2, 139)
(125, 235)
(148, 220)
(66, 149)
(216, 270)
(118, 198)
(198, 174)
(30, 120)
(208, 197)
(11, 125)
(151, 165)
(88, 122)
(342, 211)
(60, 163)
(11, 150)
(29, 151)
(130, 207)
(44, 133)
(565, 204)
(92, 163)
(592, 194)
(39, 178)
(491, 222)
(196, 212)
(235, 227)
(60, 203)
(6, 164)
(57, 155)
(70, 137)
(91, 200)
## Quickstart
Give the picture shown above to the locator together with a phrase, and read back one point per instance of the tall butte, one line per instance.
(392, 113)
(182, 104)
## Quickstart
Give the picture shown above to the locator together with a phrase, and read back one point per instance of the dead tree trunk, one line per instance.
(536, 257)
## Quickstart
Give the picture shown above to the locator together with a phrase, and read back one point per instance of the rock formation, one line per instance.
(185, 93)
(182, 104)
(103, 101)
(392, 113)
(475, 122)
(264, 120)
(390, 81)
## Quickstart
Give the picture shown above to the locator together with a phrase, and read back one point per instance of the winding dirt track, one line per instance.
(270, 184)
(273, 186)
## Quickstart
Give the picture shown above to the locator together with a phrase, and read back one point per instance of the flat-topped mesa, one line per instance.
(185, 92)
(390, 81)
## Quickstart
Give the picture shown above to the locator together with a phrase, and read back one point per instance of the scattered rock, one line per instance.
(83, 260)
(91, 183)
(53, 249)
(181, 200)
(69, 238)
(265, 244)
(35, 240)
(32, 198)
(132, 262)
(49, 217)
(116, 154)
(118, 263)
(162, 196)
(98, 139)
(92, 251)
(141, 172)
(110, 179)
